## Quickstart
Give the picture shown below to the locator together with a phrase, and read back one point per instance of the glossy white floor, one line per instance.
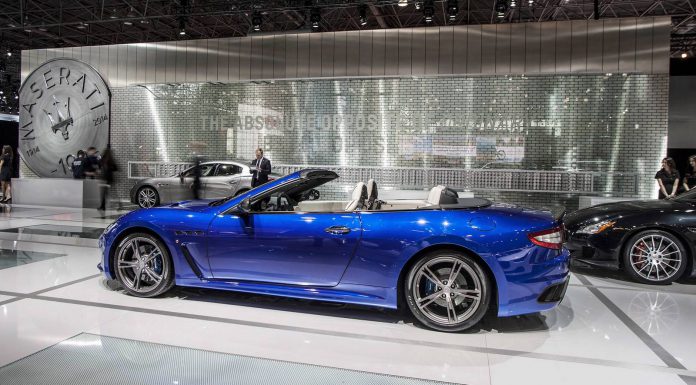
(605, 330)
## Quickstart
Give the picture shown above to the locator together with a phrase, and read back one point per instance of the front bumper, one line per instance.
(599, 250)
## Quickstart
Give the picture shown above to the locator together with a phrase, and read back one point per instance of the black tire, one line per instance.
(154, 192)
(637, 257)
(418, 288)
(126, 274)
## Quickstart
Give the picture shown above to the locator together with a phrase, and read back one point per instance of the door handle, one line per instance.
(337, 230)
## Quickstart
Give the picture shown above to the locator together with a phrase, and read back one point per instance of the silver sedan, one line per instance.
(218, 180)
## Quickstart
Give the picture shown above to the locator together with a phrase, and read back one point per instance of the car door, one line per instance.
(182, 189)
(224, 182)
(285, 248)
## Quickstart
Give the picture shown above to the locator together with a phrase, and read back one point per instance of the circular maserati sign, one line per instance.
(64, 108)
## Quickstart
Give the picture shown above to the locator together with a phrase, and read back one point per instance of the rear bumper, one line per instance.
(541, 288)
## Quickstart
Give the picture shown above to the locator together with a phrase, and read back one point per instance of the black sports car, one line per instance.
(653, 241)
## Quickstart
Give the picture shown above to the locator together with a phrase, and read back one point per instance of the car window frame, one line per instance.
(215, 165)
(219, 165)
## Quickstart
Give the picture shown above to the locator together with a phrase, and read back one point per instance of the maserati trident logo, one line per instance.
(64, 108)
(62, 120)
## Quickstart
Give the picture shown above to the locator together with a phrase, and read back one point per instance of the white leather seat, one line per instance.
(371, 194)
(357, 200)
(435, 194)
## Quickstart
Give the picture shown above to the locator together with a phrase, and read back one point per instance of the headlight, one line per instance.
(596, 228)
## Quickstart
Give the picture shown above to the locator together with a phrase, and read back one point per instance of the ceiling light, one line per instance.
(428, 11)
(452, 9)
(363, 14)
(9, 53)
(128, 22)
(403, 3)
(684, 55)
(315, 18)
(256, 21)
(513, 3)
(501, 7)
(182, 26)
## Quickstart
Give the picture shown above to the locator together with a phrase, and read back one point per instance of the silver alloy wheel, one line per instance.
(447, 290)
(655, 257)
(147, 197)
(141, 264)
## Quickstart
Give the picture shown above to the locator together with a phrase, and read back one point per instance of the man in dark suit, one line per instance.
(260, 168)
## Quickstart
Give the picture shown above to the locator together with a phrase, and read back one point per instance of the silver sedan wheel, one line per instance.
(141, 264)
(147, 197)
(655, 257)
(447, 290)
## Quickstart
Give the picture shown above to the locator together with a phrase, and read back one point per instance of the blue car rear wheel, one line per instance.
(447, 291)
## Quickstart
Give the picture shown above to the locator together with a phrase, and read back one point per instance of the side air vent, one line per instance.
(195, 233)
(190, 261)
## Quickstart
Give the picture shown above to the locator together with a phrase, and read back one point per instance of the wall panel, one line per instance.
(610, 45)
(365, 54)
(518, 47)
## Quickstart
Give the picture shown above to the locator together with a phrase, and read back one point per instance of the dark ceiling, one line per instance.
(27, 24)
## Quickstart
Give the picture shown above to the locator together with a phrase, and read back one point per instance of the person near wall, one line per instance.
(78, 166)
(690, 176)
(668, 179)
(6, 160)
(260, 168)
(91, 163)
(108, 167)
(197, 184)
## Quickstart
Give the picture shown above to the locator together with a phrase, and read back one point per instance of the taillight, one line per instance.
(550, 239)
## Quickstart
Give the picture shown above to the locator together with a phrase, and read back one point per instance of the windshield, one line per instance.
(689, 196)
(229, 198)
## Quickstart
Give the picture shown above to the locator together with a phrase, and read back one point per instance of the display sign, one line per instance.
(64, 108)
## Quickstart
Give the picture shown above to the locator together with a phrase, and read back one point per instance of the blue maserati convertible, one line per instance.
(447, 259)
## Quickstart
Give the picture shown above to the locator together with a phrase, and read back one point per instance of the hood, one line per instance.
(193, 205)
(609, 210)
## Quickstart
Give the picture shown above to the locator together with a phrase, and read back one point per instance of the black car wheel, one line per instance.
(654, 257)
(143, 265)
(147, 197)
(447, 291)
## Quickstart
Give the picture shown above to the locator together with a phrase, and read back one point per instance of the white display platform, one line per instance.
(385, 194)
(589, 201)
(56, 192)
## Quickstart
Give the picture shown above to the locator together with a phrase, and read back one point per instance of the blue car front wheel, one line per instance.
(447, 291)
(143, 265)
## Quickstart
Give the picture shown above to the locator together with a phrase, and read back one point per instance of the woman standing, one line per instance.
(668, 179)
(690, 176)
(6, 173)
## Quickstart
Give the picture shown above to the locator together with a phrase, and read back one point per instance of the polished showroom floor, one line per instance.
(62, 323)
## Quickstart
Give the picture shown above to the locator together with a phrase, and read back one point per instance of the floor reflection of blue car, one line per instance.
(447, 259)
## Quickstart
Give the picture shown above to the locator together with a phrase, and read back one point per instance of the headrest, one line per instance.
(371, 190)
(435, 194)
(359, 192)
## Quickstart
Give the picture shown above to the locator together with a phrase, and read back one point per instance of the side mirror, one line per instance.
(181, 177)
(244, 207)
